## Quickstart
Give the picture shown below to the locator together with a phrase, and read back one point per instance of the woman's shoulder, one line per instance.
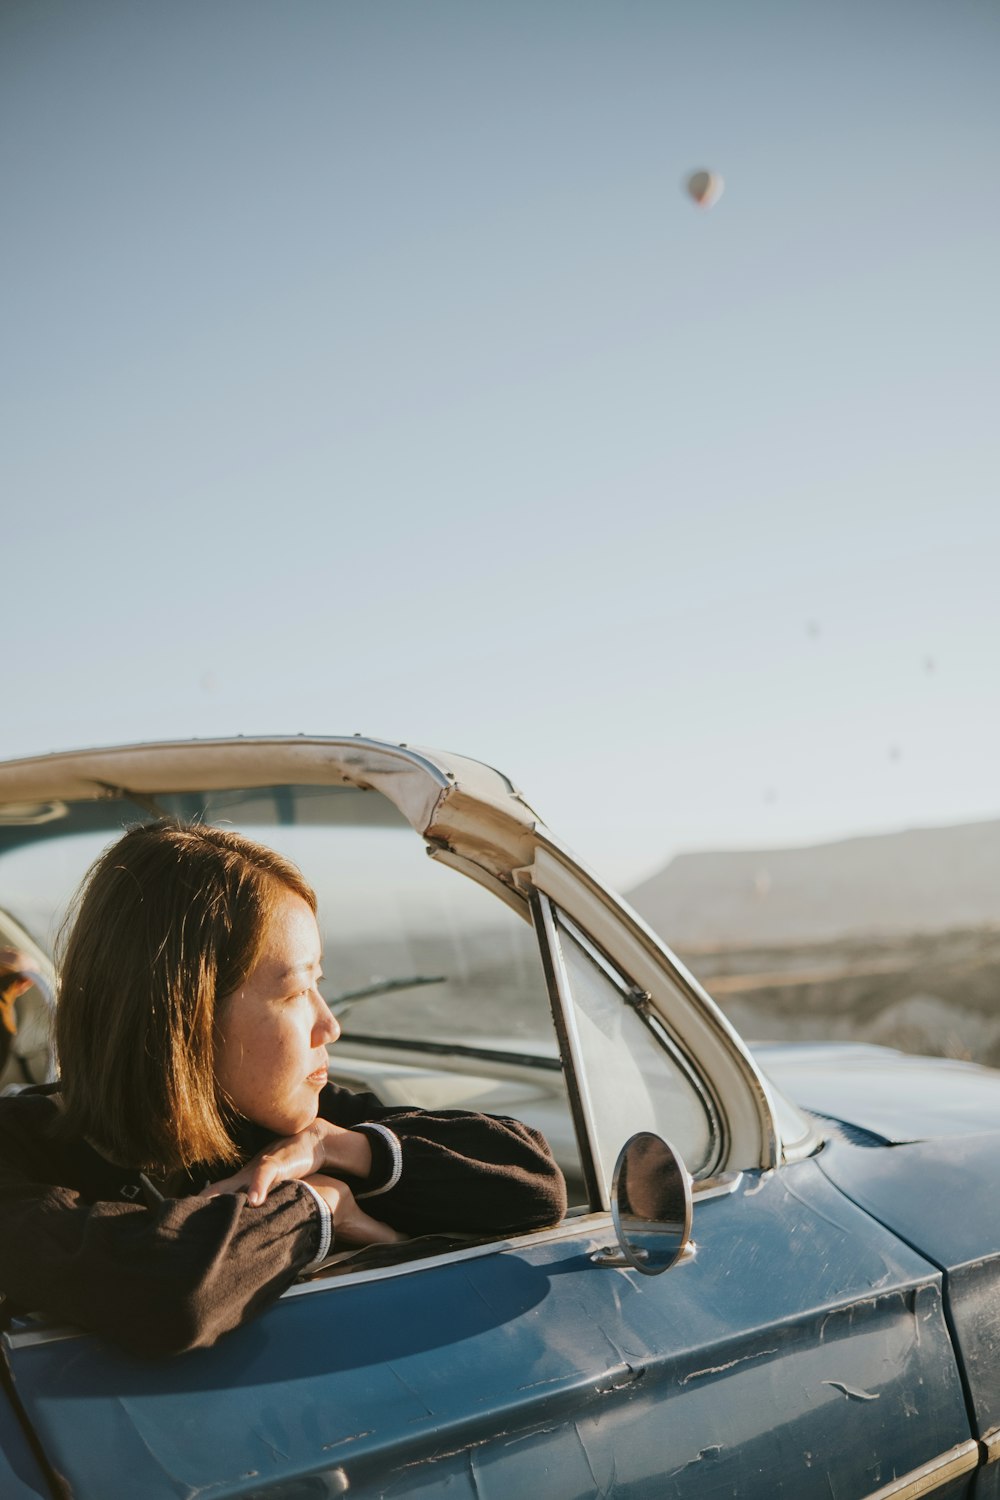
(33, 1146)
(30, 1108)
(27, 1123)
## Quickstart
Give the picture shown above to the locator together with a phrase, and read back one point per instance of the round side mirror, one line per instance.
(650, 1205)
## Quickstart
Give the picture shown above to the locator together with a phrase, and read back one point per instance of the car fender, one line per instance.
(937, 1197)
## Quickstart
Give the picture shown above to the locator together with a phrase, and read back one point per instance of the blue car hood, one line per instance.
(889, 1094)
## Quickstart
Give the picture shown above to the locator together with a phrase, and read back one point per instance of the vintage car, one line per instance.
(830, 1322)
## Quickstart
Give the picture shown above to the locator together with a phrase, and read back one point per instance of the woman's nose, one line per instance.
(327, 1028)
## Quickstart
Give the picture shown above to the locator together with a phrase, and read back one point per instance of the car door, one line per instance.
(800, 1352)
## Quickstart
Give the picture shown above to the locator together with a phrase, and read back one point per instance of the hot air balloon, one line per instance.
(705, 188)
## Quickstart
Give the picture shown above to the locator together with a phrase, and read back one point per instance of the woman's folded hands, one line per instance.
(315, 1156)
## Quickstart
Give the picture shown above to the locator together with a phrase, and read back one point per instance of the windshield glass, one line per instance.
(437, 985)
(411, 949)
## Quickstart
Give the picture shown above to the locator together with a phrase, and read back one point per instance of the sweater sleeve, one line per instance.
(157, 1280)
(454, 1171)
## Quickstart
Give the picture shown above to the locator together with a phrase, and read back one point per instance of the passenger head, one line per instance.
(169, 923)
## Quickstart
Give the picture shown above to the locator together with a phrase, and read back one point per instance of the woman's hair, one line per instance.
(169, 921)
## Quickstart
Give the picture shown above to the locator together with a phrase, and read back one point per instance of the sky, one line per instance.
(367, 368)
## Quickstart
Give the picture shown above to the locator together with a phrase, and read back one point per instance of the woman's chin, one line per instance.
(291, 1119)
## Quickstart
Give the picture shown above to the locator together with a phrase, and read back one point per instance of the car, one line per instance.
(829, 1320)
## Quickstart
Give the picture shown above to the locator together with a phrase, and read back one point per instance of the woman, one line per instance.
(193, 1160)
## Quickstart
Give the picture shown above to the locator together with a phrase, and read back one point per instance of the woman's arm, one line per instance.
(420, 1171)
(451, 1170)
(157, 1280)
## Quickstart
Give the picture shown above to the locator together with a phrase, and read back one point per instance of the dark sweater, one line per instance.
(79, 1241)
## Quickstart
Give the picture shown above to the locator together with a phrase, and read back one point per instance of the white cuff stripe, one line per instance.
(392, 1141)
(325, 1228)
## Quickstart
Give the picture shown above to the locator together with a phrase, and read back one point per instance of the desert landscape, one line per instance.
(892, 939)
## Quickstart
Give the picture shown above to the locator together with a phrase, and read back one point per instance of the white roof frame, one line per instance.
(474, 818)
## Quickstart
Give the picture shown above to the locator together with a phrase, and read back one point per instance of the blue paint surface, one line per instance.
(533, 1371)
(21, 1477)
(938, 1196)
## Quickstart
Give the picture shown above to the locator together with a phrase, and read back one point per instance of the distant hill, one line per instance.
(920, 880)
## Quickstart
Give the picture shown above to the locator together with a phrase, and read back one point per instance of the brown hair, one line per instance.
(170, 920)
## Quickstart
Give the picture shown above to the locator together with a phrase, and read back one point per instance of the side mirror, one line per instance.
(650, 1207)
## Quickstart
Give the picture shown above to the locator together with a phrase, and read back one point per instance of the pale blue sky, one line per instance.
(365, 368)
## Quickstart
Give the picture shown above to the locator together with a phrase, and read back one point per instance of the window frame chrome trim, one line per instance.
(641, 1002)
(564, 1019)
(561, 870)
(989, 1443)
(552, 917)
(592, 1227)
(952, 1464)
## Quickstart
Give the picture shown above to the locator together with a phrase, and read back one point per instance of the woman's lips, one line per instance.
(318, 1075)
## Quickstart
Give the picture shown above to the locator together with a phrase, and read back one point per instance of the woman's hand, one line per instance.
(351, 1225)
(290, 1159)
(323, 1148)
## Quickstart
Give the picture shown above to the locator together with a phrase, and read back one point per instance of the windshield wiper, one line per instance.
(383, 987)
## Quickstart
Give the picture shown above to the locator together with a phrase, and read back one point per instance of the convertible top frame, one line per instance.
(471, 816)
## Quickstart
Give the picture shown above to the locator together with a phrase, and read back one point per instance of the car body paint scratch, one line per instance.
(267, 1442)
(354, 1438)
(475, 1288)
(409, 1389)
(850, 1393)
(849, 1229)
(624, 1375)
(534, 1385)
(439, 1457)
(619, 1352)
(180, 1486)
(599, 1491)
(532, 1432)
(710, 1453)
(730, 1364)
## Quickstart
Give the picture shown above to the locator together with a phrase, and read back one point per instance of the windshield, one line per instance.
(437, 985)
(410, 948)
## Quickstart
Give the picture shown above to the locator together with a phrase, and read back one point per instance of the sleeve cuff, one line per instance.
(391, 1140)
(325, 1229)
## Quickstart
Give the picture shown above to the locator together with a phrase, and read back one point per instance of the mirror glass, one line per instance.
(651, 1203)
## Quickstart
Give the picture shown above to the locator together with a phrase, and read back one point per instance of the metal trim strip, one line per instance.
(724, 1034)
(990, 1445)
(564, 1019)
(594, 1228)
(930, 1476)
(661, 1034)
(29, 1336)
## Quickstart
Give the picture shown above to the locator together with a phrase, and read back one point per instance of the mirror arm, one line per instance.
(612, 1255)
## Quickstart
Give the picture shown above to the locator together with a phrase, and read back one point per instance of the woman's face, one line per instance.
(271, 1050)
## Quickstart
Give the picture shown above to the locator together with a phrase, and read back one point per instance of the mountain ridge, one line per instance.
(913, 880)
